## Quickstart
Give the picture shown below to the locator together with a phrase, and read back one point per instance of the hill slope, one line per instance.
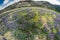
(30, 23)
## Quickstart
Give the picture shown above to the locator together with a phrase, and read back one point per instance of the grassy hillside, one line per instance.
(30, 23)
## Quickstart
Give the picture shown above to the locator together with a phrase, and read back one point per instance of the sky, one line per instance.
(5, 3)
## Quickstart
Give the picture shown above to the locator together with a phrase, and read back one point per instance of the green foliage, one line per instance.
(20, 35)
(21, 14)
(23, 35)
(41, 36)
(54, 30)
(57, 36)
(36, 17)
(38, 24)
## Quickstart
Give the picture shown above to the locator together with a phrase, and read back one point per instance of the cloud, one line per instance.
(55, 2)
(6, 1)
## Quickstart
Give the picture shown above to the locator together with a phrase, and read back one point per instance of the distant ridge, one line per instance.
(32, 3)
